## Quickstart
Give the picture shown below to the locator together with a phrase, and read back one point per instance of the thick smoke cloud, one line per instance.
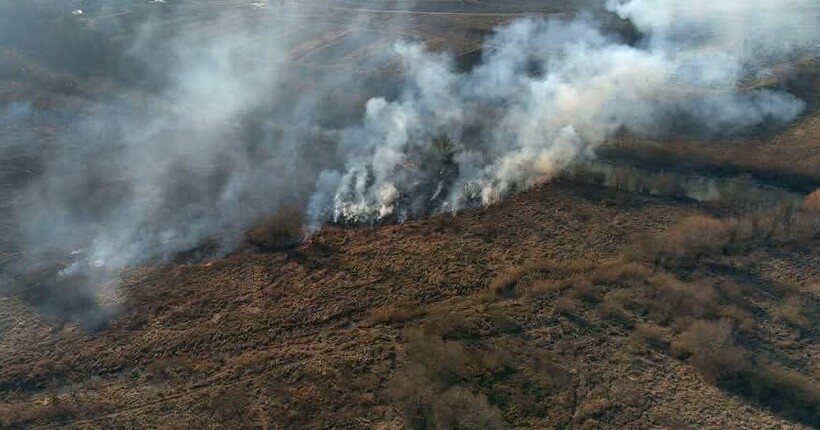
(231, 135)
(224, 128)
(548, 92)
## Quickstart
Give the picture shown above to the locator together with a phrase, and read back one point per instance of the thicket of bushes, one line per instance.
(431, 388)
(700, 237)
(663, 291)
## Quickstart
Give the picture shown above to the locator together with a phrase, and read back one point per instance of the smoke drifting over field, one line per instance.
(548, 91)
(231, 131)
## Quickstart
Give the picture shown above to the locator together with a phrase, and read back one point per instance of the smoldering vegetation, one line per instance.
(146, 134)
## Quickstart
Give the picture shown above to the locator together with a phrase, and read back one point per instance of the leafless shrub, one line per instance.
(625, 178)
(814, 289)
(412, 390)
(431, 388)
(664, 298)
(48, 409)
(451, 361)
(583, 175)
(451, 326)
(741, 234)
(671, 420)
(687, 241)
(781, 223)
(582, 289)
(786, 286)
(426, 406)
(711, 348)
(764, 224)
(812, 202)
(280, 230)
(669, 185)
(742, 319)
(785, 391)
(730, 291)
(803, 226)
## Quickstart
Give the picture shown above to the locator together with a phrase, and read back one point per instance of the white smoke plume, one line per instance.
(231, 129)
(547, 92)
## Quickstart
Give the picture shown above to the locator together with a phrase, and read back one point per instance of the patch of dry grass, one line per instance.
(395, 314)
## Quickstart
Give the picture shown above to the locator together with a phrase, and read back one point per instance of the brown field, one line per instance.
(580, 304)
(568, 306)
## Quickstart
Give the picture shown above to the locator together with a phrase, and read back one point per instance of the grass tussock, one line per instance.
(711, 347)
(812, 203)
